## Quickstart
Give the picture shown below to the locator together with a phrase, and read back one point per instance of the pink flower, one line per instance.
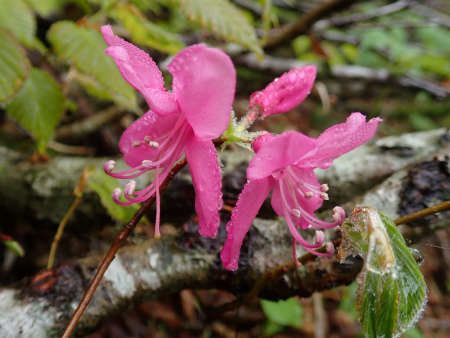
(285, 164)
(284, 93)
(180, 122)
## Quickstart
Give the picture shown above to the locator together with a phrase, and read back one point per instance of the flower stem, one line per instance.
(118, 242)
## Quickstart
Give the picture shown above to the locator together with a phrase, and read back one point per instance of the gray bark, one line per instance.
(42, 307)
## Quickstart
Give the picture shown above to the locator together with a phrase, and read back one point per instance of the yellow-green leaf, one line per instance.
(392, 293)
(84, 48)
(224, 19)
(145, 32)
(14, 66)
(16, 17)
(45, 7)
(104, 185)
(38, 106)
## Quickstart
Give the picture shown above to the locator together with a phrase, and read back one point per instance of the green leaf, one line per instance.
(14, 247)
(284, 312)
(38, 106)
(16, 17)
(14, 66)
(392, 293)
(224, 19)
(104, 185)
(146, 33)
(45, 7)
(84, 48)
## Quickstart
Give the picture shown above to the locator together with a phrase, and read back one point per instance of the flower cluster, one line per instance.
(183, 121)
(196, 111)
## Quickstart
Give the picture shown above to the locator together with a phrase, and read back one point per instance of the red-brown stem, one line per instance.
(120, 239)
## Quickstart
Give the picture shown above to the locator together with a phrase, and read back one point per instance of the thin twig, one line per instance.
(118, 242)
(444, 206)
(289, 32)
(78, 193)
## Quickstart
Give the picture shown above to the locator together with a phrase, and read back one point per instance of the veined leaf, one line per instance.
(224, 19)
(14, 66)
(16, 17)
(38, 106)
(104, 185)
(45, 7)
(392, 293)
(84, 48)
(146, 33)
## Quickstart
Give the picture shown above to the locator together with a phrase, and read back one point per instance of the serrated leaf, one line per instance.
(38, 106)
(84, 48)
(45, 7)
(104, 185)
(224, 19)
(16, 17)
(146, 33)
(392, 293)
(14, 66)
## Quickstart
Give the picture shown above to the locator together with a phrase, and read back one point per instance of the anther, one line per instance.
(309, 194)
(324, 188)
(320, 237)
(109, 166)
(116, 194)
(147, 139)
(296, 213)
(324, 196)
(147, 164)
(339, 215)
(153, 144)
(129, 188)
(136, 143)
(330, 248)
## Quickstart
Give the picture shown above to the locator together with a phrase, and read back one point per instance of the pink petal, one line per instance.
(278, 153)
(136, 66)
(310, 204)
(204, 81)
(150, 125)
(340, 139)
(286, 92)
(204, 167)
(247, 207)
(161, 102)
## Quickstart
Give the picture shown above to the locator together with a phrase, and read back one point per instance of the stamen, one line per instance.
(324, 196)
(339, 215)
(147, 164)
(136, 143)
(296, 213)
(129, 188)
(147, 139)
(320, 238)
(109, 166)
(116, 194)
(309, 194)
(324, 188)
(330, 248)
(153, 144)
